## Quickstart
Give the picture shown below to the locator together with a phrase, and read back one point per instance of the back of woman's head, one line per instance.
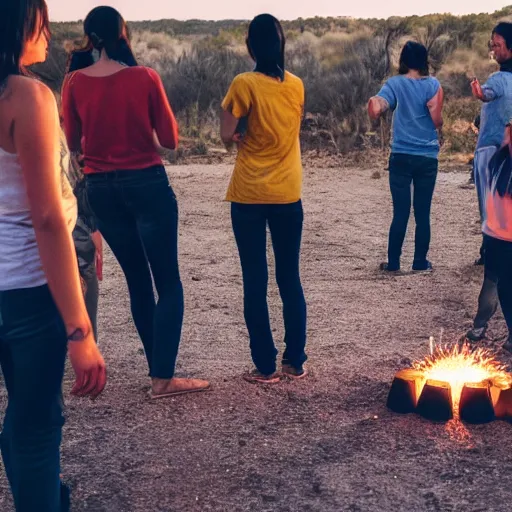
(105, 30)
(414, 57)
(20, 22)
(266, 44)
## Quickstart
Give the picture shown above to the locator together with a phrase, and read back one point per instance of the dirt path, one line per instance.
(327, 444)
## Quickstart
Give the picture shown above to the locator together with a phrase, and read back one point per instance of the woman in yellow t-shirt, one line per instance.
(262, 114)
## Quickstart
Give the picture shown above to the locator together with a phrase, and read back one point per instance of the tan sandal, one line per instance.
(256, 377)
(184, 387)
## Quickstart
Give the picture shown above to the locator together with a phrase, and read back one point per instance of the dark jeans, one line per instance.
(137, 214)
(421, 172)
(250, 229)
(33, 345)
(498, 258)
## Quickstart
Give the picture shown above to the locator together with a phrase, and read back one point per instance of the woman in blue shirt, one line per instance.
(417, 101)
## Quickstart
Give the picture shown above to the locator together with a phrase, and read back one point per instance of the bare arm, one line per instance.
(435, 107)
(377, 106)
(36, 138)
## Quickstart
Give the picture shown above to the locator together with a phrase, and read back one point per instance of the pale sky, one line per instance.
(135, 10)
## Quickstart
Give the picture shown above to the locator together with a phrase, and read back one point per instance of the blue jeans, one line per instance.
(33, 346)
(250, 229)
(421, 172)
(137, 214)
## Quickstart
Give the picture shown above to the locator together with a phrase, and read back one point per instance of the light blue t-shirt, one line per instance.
(496, 110)
(414, 132)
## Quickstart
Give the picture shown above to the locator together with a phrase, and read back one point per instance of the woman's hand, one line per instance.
(377, 106)
(476, 89)
(238, 139)
(89, 367)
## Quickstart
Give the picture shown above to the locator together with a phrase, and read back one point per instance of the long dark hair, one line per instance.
(414, 56)
(20, 21)
(105, 29)
(266, 43)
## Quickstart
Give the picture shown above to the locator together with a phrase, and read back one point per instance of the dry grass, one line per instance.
(342, 63)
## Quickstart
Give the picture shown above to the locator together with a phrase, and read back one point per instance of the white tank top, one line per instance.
(20, 264)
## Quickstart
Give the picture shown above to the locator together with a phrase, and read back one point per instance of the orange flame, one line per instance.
(461, 365)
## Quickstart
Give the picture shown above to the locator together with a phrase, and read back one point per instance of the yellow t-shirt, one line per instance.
(268, 168)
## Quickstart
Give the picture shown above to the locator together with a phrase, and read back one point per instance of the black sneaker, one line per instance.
(476, 334)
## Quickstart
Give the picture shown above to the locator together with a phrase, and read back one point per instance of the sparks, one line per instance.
(461, 365)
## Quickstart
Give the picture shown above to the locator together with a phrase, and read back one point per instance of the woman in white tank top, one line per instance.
(42, 311)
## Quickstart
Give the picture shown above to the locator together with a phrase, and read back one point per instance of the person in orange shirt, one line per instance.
(262, 113)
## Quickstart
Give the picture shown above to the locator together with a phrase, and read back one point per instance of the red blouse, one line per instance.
(111, 119)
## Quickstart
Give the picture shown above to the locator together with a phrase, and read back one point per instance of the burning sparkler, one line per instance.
(456, 382)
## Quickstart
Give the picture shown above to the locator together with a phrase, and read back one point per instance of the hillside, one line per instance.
(342, 61)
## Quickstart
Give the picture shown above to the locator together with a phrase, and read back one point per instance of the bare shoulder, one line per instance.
(27, 93)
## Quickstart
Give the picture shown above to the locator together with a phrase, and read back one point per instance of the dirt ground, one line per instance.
(325, 444)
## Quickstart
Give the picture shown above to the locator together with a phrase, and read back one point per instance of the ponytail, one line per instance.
(105, 29)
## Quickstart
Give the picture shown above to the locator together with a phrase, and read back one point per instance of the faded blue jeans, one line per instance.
(33, 346)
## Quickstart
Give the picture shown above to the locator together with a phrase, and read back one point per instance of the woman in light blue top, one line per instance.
(416, 100)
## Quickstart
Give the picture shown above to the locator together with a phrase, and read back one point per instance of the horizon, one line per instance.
(151, 10)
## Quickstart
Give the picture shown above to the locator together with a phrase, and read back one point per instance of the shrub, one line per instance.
(197, 81)
(342, 62)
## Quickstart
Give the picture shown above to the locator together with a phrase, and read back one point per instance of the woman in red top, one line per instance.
(117, 114)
